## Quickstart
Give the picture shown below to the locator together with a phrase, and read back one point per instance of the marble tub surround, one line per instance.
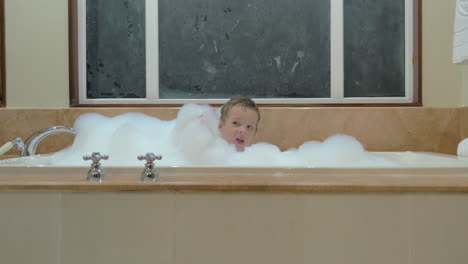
(377, 128)
(176, 227)
(464, 122)
(24, 122)
(2, 157)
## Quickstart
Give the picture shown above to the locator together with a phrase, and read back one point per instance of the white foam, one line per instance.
(462, 148)
(192, 139)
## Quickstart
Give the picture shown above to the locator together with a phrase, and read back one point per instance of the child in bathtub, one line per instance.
(202, 136)
(239, 121)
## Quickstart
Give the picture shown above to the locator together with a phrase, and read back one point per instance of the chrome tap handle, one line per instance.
(150, 173)
(19, 143)
(96, 173)
(96, 157)
(149, 157)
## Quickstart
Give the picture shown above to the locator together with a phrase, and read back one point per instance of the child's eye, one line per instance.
(250, 127)
(235, 123)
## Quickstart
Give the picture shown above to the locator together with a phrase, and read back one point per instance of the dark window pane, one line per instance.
(263, 49)
(374, 48)
(115, 41)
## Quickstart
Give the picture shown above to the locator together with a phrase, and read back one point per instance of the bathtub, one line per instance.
(413, 213)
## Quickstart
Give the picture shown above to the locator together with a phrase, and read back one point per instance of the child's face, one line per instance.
(239, 127)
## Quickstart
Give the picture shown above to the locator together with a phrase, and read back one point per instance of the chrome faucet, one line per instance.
(17, 143)
(96, 173)
(150, 173)
(33, 141)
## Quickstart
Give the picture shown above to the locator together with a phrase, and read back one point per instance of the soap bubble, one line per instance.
(193, 139)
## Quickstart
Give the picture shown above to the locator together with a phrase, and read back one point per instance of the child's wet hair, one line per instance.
(243, 101)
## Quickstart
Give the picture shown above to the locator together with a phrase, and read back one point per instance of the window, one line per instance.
(278, 52)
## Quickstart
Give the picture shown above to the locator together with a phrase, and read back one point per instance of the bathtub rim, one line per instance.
(223, 178)
(243, 179)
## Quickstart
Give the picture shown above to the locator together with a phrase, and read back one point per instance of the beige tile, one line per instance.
(118, 227)
(238, 228)
(463, 122)
(439, 228)
(29, 227)
(23, 122)
(377, 128)
(355, 228)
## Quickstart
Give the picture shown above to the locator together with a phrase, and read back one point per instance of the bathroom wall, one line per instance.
(36, 43)
(37, 55)
(442, 81)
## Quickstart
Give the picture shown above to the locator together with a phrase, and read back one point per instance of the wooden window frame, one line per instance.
(416, 60)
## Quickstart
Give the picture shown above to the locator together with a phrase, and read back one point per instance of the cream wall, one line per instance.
(37, 55)
(442, 80)
(36, 44)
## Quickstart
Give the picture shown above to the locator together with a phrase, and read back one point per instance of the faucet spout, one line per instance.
(33, 141)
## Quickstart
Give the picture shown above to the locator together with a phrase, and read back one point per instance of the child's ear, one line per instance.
(220, 126)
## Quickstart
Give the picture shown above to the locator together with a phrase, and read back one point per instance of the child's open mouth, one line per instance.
(239, 141)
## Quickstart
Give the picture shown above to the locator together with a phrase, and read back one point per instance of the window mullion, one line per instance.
(336, 49)
(152, 50)
(82, 50)
(409, 25)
